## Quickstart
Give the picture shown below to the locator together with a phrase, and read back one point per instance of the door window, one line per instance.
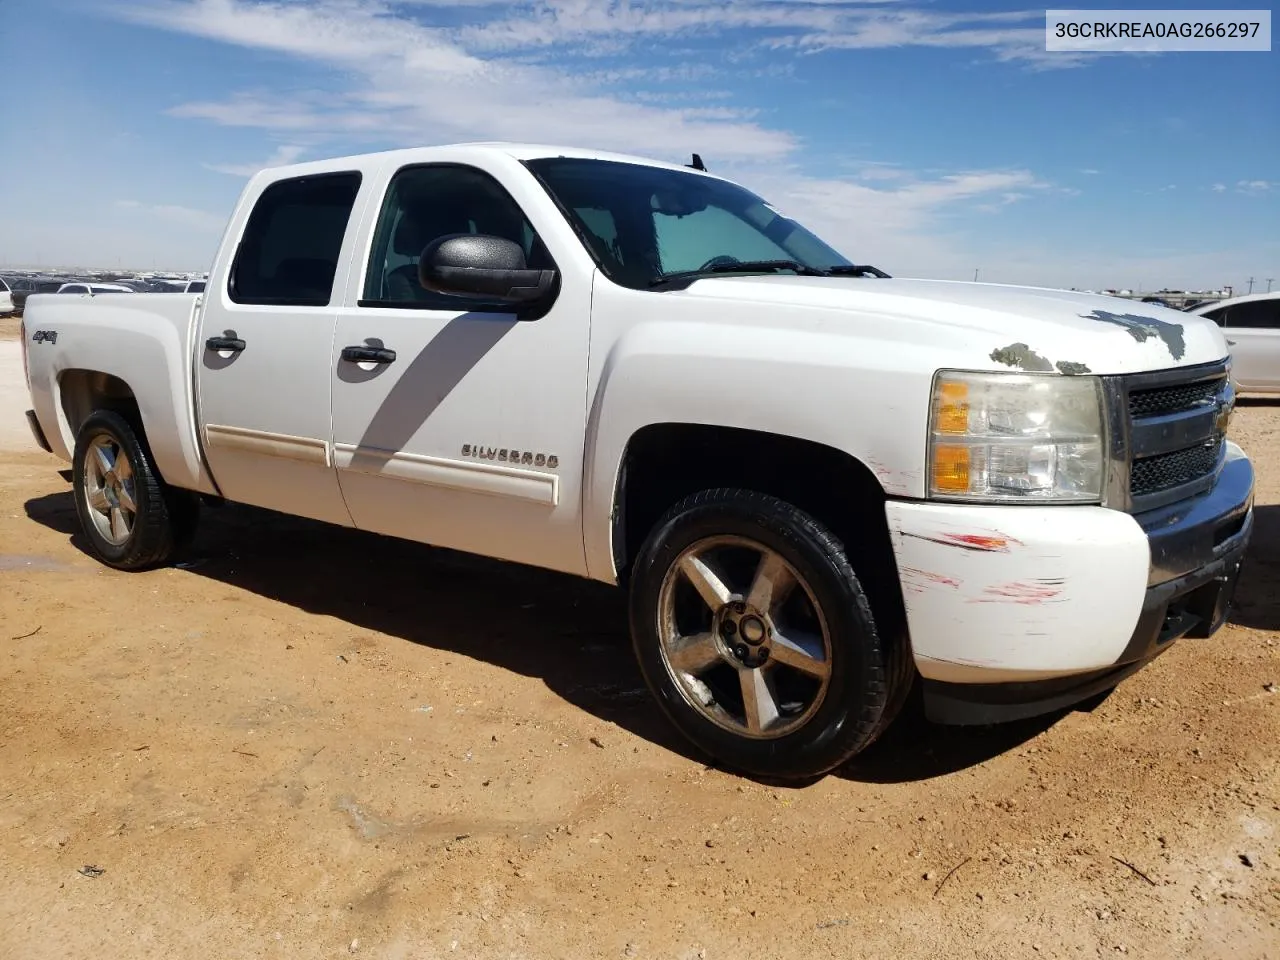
(424, 203)
(1217, 316)
(292, 241)
(1253, 315)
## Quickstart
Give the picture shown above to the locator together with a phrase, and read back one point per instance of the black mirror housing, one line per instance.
(482, 267)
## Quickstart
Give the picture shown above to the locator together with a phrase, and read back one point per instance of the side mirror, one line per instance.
(483, 267)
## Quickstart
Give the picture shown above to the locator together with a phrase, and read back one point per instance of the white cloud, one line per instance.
(505, 73)
(174, 213)
(283, 156)
(1219, 188)
(410, 78)
(1256, 186)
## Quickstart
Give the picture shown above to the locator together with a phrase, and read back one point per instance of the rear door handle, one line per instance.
(223, 344)
(368, 355)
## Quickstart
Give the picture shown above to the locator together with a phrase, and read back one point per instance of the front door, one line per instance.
(1252, 329)
(455, 422)
(263, 369)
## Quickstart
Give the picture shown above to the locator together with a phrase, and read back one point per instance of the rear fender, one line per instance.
(101, 344)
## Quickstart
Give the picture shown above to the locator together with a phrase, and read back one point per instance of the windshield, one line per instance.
(643, 224)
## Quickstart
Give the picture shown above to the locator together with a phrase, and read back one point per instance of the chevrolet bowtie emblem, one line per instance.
(1226, 403)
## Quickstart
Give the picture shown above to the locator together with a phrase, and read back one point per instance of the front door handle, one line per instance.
(223, 344)
(368, 355)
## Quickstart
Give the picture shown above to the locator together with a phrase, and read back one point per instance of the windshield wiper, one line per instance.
(856, 270)
(741, 266)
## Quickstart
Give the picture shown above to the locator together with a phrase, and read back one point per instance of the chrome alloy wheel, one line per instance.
(109, 490)
(743, 636)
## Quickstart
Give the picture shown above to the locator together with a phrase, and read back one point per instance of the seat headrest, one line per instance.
(417, 228)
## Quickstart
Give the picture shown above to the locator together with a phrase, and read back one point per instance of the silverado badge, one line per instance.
(524, 458)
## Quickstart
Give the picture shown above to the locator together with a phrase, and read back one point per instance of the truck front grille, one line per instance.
(1165, 471)
(1160, 400)
(1168, 441)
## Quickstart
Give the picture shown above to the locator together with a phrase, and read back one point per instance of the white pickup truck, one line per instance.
(818, 483)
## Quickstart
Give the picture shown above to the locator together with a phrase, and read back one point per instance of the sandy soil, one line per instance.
(315, 743)
(9, 327)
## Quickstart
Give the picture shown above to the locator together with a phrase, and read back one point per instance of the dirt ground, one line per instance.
(315, 743)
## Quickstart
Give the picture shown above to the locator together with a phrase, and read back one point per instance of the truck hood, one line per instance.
(992, 326)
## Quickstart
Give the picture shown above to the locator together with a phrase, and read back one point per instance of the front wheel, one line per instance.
(132, 519)
(756, 637)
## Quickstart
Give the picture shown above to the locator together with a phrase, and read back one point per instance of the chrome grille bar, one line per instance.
(1166, 432)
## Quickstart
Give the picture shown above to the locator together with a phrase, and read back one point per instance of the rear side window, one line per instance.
(291, 244)
(4, 287)
(1253, 314)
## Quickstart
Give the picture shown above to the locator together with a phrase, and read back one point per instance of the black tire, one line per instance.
(870, 672)
(166, 517)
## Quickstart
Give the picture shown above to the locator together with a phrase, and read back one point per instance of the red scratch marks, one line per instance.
(1022, 591)
(982, 542)
(918, 581)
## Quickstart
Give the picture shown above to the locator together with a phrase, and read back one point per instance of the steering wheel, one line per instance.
(722, 260)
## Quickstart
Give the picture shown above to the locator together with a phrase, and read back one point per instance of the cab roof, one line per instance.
(518, 151)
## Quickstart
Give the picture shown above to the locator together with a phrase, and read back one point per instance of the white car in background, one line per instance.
(6, 299)
(1251, 325)
(95, 288)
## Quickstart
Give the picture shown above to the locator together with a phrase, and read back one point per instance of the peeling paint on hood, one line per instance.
(959, 323)
(1140, 328)
(1069, 368)
(1021, 356)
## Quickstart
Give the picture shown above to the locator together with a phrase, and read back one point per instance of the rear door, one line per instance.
(1252, 329)
(263, 369)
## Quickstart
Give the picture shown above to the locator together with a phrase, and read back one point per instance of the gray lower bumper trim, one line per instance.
(38, 433)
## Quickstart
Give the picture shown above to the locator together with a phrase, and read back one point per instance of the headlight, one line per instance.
(1021, 438)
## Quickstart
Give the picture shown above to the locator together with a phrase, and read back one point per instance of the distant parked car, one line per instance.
(1251, 325)
(95, 288)
(26, 286)
(6, 299)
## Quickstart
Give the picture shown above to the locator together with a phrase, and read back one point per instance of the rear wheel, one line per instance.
(130, 516)
(755, 635)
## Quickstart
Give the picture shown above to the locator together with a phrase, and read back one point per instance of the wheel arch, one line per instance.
(81, 392)
(664, 462)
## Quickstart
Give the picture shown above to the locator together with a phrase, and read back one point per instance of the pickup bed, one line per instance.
(819, 484)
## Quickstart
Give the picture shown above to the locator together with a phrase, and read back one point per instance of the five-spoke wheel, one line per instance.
(755, 635)
(743, 637)
(108, 483)
(130, 516)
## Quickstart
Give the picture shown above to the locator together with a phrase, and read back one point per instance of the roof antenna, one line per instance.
(697, 164)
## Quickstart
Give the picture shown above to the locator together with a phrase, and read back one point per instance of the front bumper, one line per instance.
(1017, 611)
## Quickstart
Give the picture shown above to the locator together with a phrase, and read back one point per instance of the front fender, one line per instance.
(818, 386)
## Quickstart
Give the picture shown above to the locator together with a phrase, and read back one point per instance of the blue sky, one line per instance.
(928, 138)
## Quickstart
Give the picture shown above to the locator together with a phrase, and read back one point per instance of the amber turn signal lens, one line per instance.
(951, 469)
(953, 407)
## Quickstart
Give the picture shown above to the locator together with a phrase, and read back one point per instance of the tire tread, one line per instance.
(166, 518)
(889, 667)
